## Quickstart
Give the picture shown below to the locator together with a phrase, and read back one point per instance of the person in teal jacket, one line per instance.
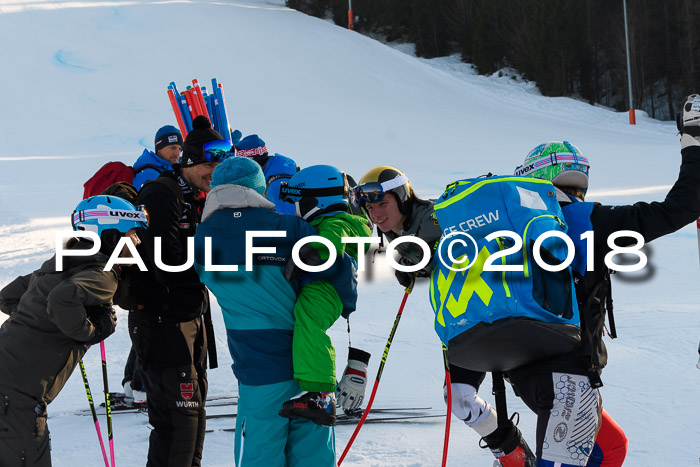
(149, 165)
(319, 194)
(258, 309)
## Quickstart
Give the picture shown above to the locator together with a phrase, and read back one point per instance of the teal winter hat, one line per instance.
(239, 171)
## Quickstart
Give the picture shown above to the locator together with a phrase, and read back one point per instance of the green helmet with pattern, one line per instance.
(560, 162)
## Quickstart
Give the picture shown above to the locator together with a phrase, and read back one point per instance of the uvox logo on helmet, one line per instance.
(291, 194)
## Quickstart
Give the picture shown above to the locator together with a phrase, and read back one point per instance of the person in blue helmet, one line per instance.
(276, 168)
(54, 317)
(320, 196)
(168, 147)
(257, 303)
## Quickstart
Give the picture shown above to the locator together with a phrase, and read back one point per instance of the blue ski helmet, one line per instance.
(316, 190)
(109, 217)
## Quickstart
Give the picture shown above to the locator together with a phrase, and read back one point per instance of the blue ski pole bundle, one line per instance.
(195, 101)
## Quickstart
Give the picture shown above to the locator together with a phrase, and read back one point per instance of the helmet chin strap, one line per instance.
(308, 214)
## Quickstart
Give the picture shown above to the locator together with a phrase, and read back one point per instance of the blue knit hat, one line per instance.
(166, 136)
(251, 145)
(239, 171)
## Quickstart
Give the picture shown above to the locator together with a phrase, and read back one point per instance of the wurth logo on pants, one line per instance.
(187, 404)
(187, 390)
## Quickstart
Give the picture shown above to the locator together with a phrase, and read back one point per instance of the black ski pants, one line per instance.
(173, 362)
(24, 435)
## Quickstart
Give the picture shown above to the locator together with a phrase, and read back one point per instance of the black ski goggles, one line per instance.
(290, 194)
(218, 151)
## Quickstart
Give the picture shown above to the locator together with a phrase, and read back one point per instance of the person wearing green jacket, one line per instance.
(319, 194)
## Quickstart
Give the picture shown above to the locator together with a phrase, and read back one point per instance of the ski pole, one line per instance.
(379, 375)
(448, 383)
(110, 438)
(94, 413)
(698, 224)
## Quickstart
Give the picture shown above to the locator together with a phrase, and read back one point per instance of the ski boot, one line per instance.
(509, 447)
(318, 407)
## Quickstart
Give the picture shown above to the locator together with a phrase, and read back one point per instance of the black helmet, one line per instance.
(380, 180)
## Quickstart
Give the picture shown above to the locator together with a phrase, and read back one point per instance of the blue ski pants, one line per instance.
(268, 440)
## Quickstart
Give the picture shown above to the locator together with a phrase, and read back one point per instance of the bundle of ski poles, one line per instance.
(195, 101)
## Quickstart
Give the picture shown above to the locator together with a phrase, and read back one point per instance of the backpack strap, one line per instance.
(147, 166)
(172, 184)
(612, 332)
(594, 375)
(499, 392)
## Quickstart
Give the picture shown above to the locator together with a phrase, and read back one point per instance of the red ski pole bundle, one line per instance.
(195, 101)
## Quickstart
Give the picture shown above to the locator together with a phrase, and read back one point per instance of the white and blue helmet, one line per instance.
(316, 190)
(109, 217)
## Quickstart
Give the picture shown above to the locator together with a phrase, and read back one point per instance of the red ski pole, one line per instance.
(379, 375)
(176, 111)
(200, 99)
(448, 383)
(190, 103)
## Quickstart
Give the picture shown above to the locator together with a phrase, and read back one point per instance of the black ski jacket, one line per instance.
(651, 220)
(174, 210)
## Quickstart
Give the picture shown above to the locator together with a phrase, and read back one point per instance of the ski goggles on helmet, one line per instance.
(218, 151)
(371, 192)
(119, 219)
(292, 194)
(564, 161)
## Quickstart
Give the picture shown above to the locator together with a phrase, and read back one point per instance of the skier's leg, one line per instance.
(175, 397)
(466, 403)
(610, 447)
(310, 444)
(261, 434)
(24, 435)
(568, 416)
(317, 308)
(200, 366)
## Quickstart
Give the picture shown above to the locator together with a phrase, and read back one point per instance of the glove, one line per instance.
(406, 279)
(104, 319)
(308, 255)
(351, 389)
(688, 118)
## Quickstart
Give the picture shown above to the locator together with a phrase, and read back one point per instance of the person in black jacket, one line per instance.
(166, 320)
(564, 391)
(55, 315)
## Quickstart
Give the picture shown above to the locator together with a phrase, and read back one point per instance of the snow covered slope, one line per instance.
(84, 83)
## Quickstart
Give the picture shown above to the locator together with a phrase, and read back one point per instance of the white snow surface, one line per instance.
(85, 83)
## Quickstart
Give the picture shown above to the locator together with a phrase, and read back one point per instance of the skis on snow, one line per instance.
(381, 415)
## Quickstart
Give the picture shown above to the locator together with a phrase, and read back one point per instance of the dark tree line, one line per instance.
(569, 47)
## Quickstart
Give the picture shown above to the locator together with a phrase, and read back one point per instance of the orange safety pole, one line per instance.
(200, 98)
(178, 115)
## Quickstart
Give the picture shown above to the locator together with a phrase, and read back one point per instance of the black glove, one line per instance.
(308, 255)
(104, 319)
(406, 279)
(688, 118)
